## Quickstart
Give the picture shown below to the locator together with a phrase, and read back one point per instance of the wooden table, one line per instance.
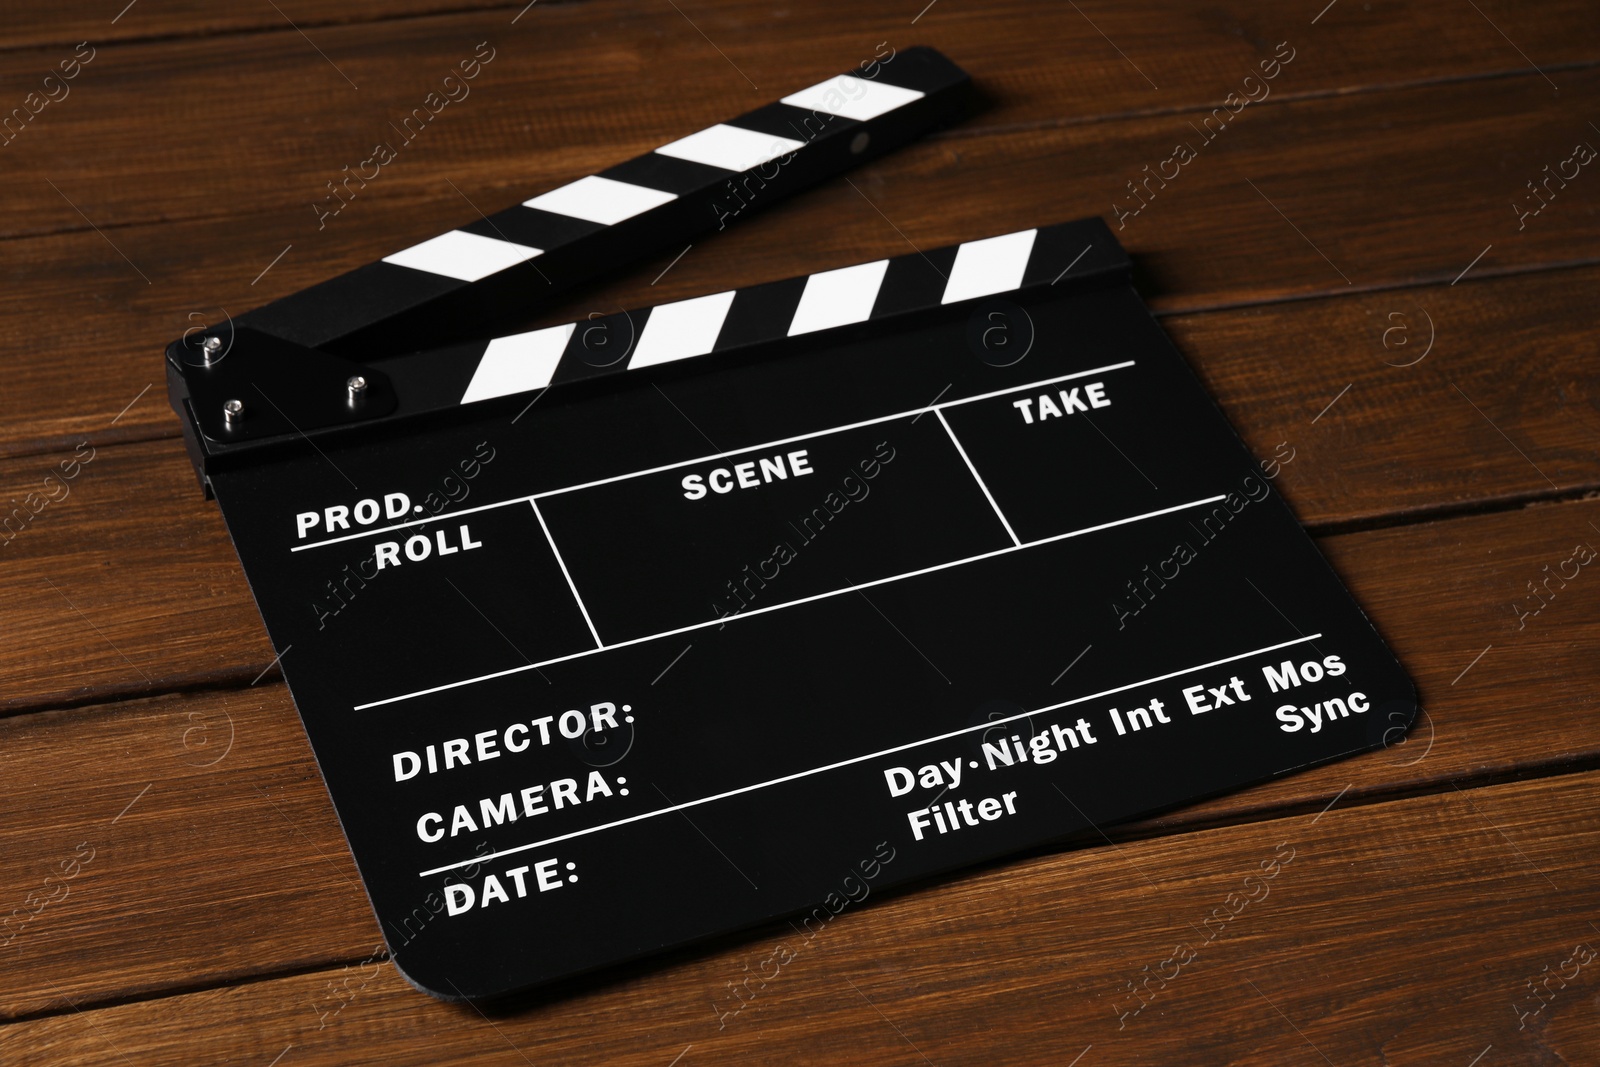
(1354, 261)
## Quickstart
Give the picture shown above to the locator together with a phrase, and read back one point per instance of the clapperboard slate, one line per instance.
(621, 634)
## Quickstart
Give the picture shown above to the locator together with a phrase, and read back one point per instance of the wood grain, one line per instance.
(42, 26)
(1376, 941)
(208, 830)
(1379, 396)
(223, 125)
(1369, 199)
(123, 585)
(1342, 265)
(237, 815)
(1161, 37)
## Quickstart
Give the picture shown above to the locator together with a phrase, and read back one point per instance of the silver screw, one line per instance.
(210, 347)
(357, 387)
(233, 412)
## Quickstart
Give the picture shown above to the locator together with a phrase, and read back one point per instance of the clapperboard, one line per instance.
(621, 634)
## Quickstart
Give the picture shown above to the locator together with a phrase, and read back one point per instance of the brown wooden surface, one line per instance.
(206, 199)
(1314, 246)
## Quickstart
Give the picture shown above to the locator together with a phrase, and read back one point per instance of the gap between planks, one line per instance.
(967, 130)
(1111, 836)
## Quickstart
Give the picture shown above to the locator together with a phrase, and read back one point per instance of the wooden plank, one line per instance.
(190, 891)
(67, 24)
(198, 827)
(1390, 444)
(1211, 239)
(1309, 939)
(267, 885)
(1162, 38)
(220, 126)
(121, 580)
(1380, 397)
